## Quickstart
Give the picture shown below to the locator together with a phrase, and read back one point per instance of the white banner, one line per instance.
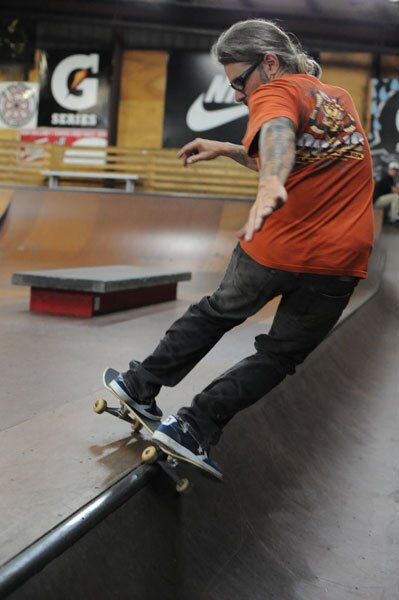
(384, 133)
(19, 102)
(35, 139)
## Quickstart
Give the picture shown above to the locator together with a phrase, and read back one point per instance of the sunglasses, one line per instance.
(238, 83)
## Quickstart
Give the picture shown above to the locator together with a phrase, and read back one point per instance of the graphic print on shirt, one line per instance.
(331, 132)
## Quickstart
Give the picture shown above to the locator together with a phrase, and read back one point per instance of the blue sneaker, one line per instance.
(178, 436)
(150, 410)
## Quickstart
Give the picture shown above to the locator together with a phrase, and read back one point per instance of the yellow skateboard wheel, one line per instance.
(100, 406)
(150, 454)
(184, 486)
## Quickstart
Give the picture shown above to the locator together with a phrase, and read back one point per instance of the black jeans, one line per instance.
(310, 306)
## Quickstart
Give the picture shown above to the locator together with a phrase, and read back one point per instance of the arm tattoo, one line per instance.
(277, 148)
(239, 154)
(245, 160)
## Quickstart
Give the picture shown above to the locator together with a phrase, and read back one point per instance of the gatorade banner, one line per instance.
(74, 89)
(384, 131)
(200, 102)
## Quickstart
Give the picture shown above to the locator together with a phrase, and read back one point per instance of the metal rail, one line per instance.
(36, 556)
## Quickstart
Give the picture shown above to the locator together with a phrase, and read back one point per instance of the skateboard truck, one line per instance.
(100, 406)
(168, 464)
(152, 453)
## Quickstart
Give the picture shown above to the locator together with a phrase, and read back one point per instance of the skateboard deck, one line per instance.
(155, 451)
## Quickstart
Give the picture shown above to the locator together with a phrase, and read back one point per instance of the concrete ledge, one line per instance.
(88, 291)
(102, 279)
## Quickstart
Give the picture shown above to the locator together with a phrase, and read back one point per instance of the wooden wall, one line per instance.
(143, 87)
(141, 113)
(142, 99)
(10, 73)
(351, 71)
(389, 66)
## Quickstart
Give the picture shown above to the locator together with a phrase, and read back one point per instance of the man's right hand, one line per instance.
(200, 149)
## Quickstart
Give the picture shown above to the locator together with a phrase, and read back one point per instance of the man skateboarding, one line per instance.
(308, 238)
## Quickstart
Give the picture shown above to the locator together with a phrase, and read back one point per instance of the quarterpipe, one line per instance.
(46, 227)
(5, 197)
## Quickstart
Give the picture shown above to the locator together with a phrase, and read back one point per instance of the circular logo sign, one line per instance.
(17, 104)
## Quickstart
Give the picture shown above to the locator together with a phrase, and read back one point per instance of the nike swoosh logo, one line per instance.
(200, 119)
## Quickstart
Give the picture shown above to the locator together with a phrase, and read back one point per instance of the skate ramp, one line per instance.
(5, 198)
(47, 228)
(309, 506)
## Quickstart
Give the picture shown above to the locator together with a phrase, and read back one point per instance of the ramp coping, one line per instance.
(32, 559)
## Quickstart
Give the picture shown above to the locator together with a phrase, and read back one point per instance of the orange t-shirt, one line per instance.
(326, 225)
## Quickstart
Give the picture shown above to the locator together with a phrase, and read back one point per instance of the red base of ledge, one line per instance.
(89, 304)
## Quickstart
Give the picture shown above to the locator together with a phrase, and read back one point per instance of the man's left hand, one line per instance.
(271, 196)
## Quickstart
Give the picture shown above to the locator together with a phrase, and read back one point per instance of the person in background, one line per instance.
(307, 238)
(386, 193)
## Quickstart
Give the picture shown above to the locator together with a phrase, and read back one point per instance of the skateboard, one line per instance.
(155, 452)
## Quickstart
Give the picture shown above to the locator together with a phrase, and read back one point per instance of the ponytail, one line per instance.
(308, 65)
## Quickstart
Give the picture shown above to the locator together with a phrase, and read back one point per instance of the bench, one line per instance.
(55, 176)
(90, 291)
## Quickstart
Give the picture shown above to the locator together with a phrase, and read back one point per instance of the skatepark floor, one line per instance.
(55, 453)
(309, 507)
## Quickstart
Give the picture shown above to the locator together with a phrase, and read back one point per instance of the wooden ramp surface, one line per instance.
(5, 198)
(309, 506)
(48, 228)
(55, 454)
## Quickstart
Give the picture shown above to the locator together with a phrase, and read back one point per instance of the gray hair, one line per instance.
(247, 41)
